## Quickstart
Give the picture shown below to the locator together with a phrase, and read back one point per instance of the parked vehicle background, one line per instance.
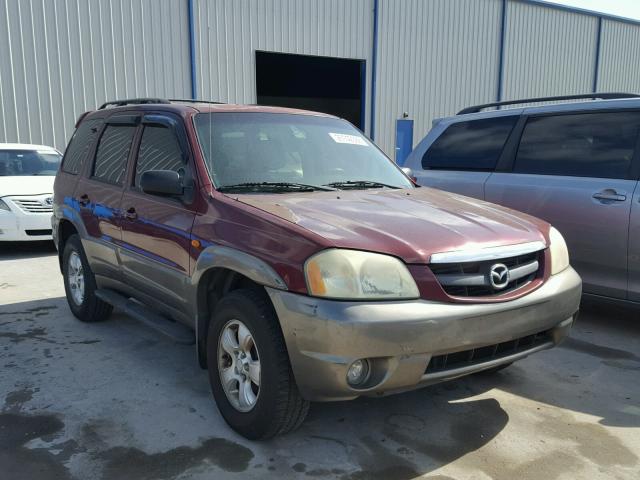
(575, 165)
(27, 173)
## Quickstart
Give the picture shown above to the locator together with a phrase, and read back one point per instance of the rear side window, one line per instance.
(159, 150)
(112, 154)
(79, 145)
(473, 145)
(585, 145)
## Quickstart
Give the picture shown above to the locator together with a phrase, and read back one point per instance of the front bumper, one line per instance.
(400, 338)
(20, 227)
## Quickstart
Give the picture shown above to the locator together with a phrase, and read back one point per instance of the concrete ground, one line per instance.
(117, 401)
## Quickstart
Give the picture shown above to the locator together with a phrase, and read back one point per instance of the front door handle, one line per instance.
(131, 214)
(610, 195)
(84, 200)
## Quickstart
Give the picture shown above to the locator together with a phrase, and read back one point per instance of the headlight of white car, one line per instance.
(4, 206)
(559, 252)
(356, 275)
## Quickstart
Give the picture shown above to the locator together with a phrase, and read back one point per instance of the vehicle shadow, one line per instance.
(594, 371)
(19, 250)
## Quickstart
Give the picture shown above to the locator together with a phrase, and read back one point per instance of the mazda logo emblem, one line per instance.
(499, 276)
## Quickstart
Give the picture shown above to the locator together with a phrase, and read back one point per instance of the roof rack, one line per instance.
(191, 100)
(132, 101)
(593, 96)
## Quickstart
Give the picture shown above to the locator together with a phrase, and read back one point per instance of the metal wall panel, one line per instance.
(434, 58)
(228, 32)
(548, 51)
(59, 58)
(619, 57)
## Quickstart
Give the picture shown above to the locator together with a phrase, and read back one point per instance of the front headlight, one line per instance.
(356, 275)
(559, 252)
(4, 206)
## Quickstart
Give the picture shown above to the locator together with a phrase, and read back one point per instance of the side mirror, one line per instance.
(161, 182)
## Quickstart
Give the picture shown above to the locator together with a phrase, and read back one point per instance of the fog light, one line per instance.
(358, 372)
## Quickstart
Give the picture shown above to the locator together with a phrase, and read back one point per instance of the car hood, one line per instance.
(409, 223)
(26, 185)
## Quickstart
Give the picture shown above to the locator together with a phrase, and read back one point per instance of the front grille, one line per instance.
(33, 205)
(475, 356)
(36, 233)
(471, 279)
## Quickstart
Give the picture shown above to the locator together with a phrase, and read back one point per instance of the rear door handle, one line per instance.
(84, 200)
(131, 214)
(610, 195)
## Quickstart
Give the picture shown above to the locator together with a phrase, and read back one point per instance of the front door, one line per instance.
(156, 230)
(577, 172)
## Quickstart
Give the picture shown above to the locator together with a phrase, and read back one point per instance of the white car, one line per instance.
(27, 173)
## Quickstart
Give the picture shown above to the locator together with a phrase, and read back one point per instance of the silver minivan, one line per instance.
(574, 164)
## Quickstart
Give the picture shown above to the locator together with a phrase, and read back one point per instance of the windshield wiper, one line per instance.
(273, 186)
(359, 184)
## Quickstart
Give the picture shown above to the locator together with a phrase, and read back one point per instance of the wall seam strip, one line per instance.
(192, 50)
(374, 64)
(596, 68)
(503, 29)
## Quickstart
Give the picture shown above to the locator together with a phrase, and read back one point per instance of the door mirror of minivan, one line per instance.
(161, 182)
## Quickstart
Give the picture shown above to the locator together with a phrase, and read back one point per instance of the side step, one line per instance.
(174, 330)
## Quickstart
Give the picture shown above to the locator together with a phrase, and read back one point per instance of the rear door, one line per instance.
(461, 159)
(578, 172)
(156, 230)
(99, 192)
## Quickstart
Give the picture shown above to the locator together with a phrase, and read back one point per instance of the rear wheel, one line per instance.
(249, 368)
(80, 284)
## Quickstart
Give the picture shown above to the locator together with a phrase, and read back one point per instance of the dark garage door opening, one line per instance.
(324, 84)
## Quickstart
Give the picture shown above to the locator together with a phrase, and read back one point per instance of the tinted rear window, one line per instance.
(473, 145)
(585, 145)
(112, 154)
(79, 146)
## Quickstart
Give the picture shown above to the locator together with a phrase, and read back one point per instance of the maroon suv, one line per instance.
(306, 262)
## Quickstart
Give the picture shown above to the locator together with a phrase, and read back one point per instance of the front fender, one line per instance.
(217, 256)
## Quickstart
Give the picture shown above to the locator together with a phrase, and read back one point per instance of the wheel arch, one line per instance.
(218, 271)
(66, 228)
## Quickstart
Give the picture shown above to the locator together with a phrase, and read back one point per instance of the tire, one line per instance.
(86, 307)
(278, 407)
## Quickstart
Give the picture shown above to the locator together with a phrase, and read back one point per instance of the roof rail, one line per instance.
(594, 96)
(191, 100)
(132, 101)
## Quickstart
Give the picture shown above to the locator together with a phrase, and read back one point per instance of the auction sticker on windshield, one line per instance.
(350, 139)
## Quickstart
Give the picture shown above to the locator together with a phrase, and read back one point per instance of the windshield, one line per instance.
(22, 163)
(260, 151)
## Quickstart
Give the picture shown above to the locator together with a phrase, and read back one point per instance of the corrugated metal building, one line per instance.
(375, 60)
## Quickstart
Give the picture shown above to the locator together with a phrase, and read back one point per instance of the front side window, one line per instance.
(159, 150)
(597, 145)
(79, 146)
(113, 150)
(258, 148)
(23, 163)
(472, 145)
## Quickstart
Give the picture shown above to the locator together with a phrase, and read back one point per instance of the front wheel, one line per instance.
(249, 368)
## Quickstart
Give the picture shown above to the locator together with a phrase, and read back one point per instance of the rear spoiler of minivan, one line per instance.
(586, 96)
